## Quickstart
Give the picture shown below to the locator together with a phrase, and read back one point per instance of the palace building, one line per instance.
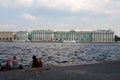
(85, 36)
(81, 36)
(42, 36)
(59, 36)
(103, 36)
(7, 36)
(21, 36)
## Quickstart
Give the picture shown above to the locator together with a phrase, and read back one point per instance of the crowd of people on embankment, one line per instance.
(13, 64)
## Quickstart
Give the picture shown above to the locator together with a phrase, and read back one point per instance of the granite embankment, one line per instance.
(109, 70)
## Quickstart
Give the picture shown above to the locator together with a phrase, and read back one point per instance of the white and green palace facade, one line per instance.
(73, 36)
(41, 36)
(85, 36)
(103, 36)
(60, 36)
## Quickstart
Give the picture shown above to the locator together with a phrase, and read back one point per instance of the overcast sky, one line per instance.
(18, 15)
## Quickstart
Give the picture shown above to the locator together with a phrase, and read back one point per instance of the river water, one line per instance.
(60, 53)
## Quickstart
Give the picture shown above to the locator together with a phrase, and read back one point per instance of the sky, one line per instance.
(16, 15)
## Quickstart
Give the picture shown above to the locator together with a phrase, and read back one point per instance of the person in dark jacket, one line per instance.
(35, 63)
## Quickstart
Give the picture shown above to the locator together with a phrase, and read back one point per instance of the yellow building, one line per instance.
(7, 36)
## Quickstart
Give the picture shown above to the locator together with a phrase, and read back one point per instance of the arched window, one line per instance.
(10, 39)
(6, 38)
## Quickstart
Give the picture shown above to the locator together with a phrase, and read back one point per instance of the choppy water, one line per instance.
(61, 53)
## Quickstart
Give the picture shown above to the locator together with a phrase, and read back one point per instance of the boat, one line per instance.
(66, 41)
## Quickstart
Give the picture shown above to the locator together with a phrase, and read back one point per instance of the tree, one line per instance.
(117, 38)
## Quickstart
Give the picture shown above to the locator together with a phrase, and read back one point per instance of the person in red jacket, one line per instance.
(40, 62)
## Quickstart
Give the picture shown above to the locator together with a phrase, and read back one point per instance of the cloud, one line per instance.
(63, 25)
(4, 3)
(71, 5)
(5, 27)
(24, 3)
(87, 19)
(16, 3)
(66, 5)
(29, 16)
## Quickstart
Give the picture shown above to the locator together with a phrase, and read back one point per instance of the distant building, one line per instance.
(81, 36)
(84, 36)
(42, 36)
(7, 36)
(65, 35)
(103, 36)
(59, 36)
(21, 36)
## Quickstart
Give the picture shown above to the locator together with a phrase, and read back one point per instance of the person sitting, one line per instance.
(15, 62)
(35, 63)
(8, 65)
(2, 65)
(40, 62)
